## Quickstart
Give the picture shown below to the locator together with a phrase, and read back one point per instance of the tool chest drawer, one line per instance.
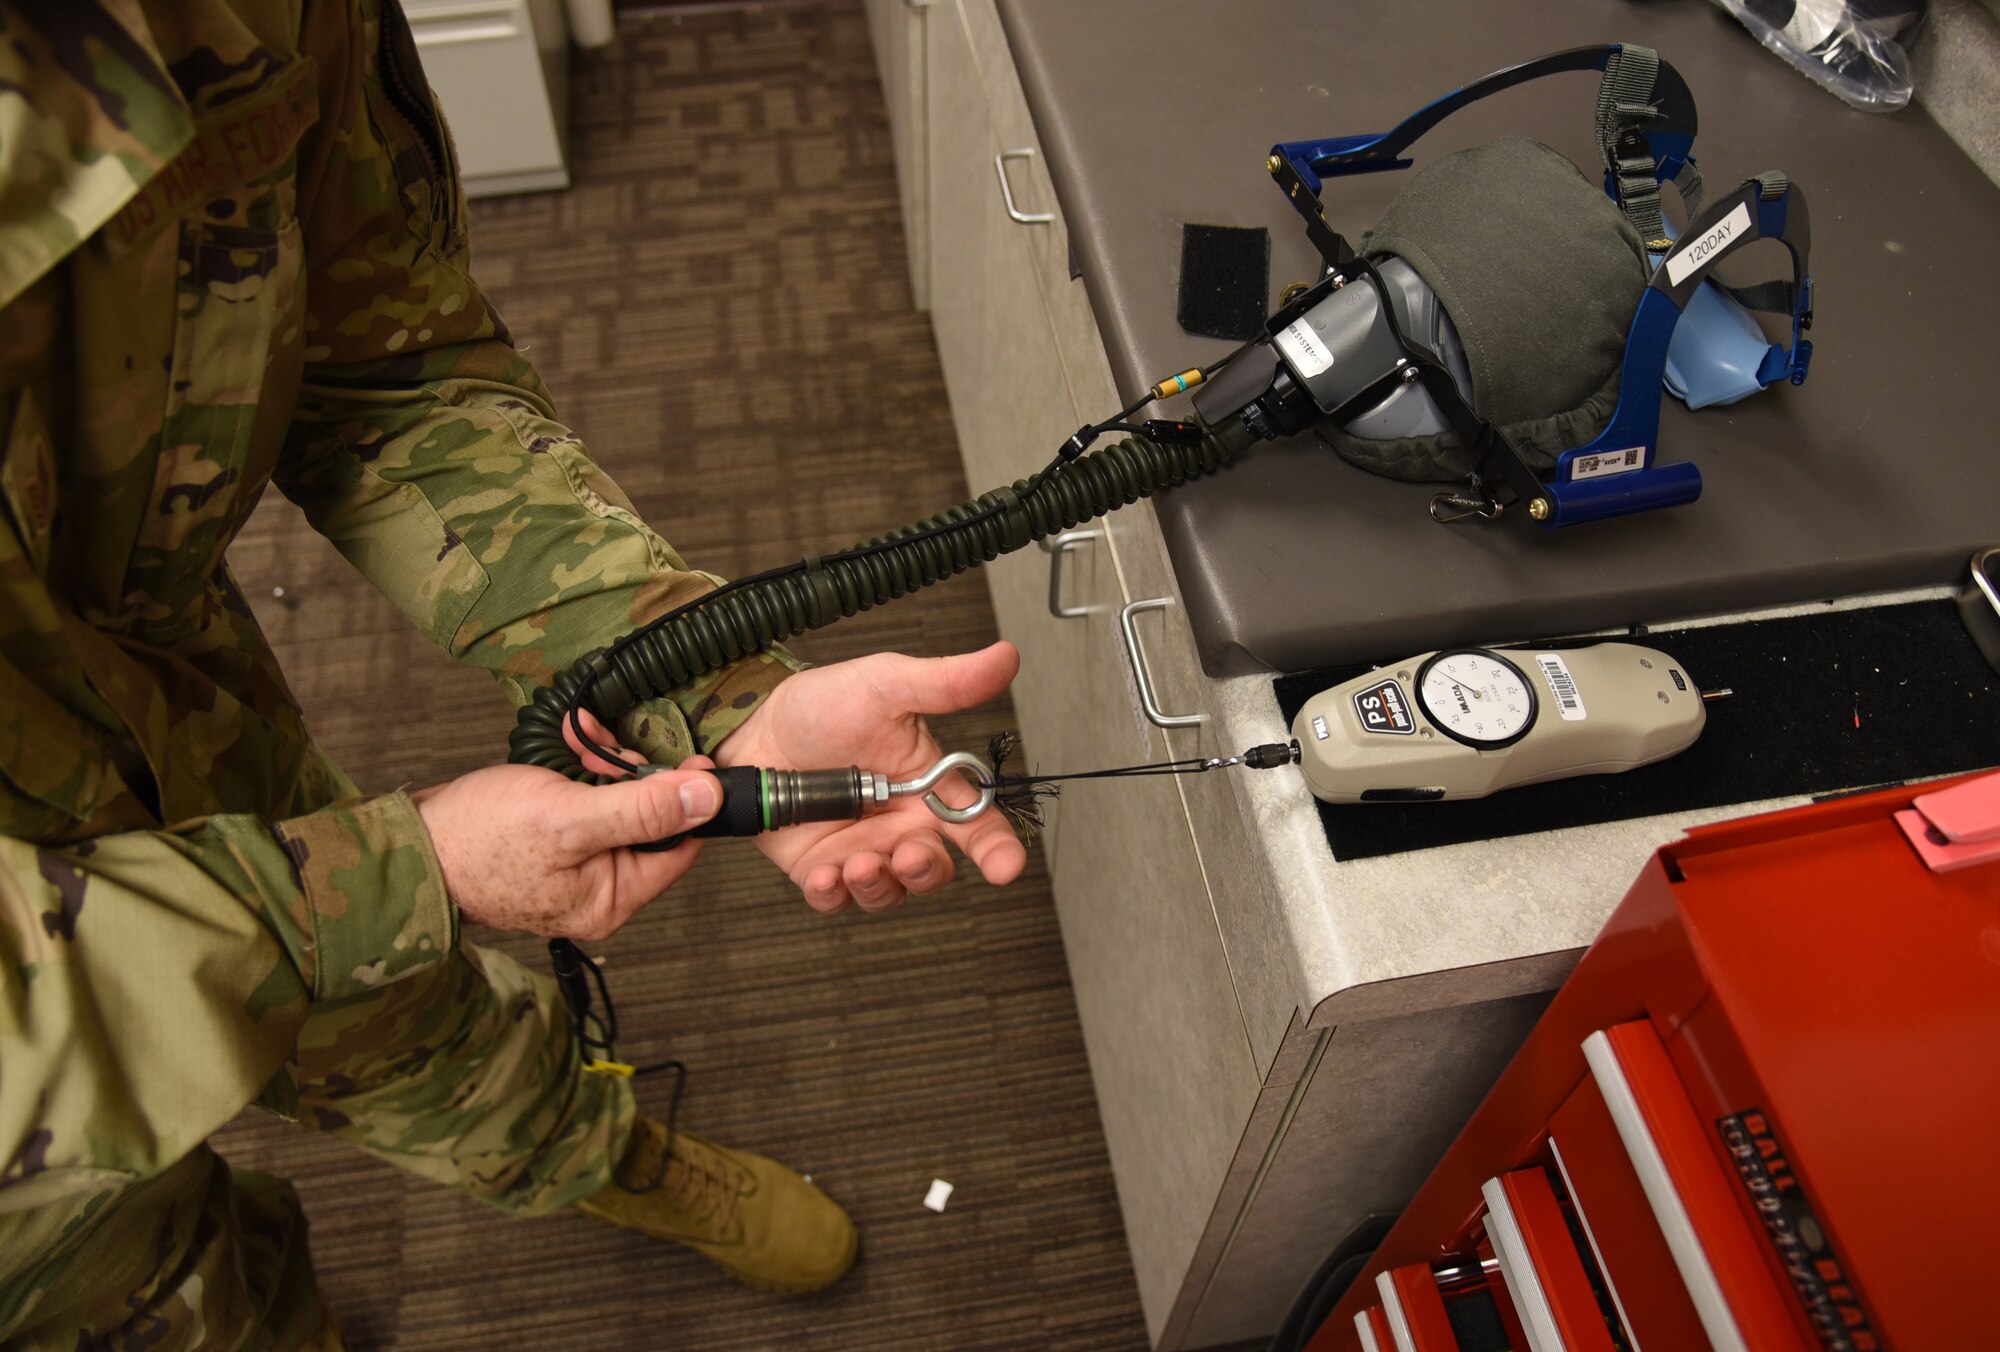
(1371, 1327)
(1726, 1096)
(1630, 1250)
(1723, 1263)
(1414, 1311)
(500, 70)
(1465, 1309)
(1546, 1278)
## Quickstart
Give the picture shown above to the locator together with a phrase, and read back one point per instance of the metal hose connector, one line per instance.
(710, 636)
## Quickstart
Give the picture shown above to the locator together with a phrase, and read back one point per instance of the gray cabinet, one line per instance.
(1169, 1053)
(1170, 1048)
(1006, 384)
(896, 28)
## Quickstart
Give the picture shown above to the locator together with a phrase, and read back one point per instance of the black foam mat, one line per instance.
(1824, 703)
(1225, 281)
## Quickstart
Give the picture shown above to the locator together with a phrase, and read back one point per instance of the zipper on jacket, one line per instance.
(414, 107)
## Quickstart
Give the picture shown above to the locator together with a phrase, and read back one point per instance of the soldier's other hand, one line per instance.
(869, 712)
(525, 849)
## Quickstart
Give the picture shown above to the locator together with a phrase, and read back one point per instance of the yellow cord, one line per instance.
(618, 1068)
(1173, 385)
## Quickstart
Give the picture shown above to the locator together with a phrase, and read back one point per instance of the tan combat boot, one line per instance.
(758, 1220)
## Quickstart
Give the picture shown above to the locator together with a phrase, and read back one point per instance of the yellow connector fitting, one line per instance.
(1173, 385)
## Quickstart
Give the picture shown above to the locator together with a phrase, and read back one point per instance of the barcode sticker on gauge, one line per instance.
(1562, 685)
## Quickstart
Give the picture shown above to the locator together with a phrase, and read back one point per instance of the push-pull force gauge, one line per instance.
(1465, 722)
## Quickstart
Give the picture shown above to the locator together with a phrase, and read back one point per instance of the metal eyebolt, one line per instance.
(974, 768)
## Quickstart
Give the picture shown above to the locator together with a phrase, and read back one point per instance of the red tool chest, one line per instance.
(1762, 1114)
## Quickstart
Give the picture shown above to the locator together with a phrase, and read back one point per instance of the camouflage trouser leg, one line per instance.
(467, 1074)
(200, 1256)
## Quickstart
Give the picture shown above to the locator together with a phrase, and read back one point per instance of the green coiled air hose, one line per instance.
(733, 623)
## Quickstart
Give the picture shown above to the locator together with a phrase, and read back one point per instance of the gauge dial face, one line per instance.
(1477, 697)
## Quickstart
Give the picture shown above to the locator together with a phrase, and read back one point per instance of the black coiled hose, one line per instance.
(726, 627)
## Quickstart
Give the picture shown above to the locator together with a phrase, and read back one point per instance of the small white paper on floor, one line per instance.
(939, 1194)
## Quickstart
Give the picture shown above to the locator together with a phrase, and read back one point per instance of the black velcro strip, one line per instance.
(1823, 703)
(1225, 281)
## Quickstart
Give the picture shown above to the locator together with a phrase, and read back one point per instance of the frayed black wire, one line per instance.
(1021, 797)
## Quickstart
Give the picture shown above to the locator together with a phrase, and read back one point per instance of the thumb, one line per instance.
(639, 811)
(944, 685)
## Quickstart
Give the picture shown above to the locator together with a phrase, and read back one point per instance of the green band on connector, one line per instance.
(764, 796)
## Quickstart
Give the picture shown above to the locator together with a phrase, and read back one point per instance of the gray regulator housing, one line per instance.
(1339, 347)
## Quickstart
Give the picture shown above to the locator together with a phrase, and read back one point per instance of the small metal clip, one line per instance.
(1449, 507)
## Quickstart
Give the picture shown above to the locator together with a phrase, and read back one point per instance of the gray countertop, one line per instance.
(1876, 475)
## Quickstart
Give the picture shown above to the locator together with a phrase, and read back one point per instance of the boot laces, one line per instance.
(703, 1183)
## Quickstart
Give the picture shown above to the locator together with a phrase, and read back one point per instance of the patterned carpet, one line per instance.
(721, 309)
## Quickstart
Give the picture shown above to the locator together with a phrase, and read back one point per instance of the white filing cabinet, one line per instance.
(500, 68)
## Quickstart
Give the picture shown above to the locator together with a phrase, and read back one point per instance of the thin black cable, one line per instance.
(1193, 765)
(597, 1035)
(1020, 797)
(673, 1113)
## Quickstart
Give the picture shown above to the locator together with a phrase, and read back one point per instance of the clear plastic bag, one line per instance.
(1852, 48)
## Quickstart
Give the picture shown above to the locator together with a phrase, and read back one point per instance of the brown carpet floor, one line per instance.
(722, 310)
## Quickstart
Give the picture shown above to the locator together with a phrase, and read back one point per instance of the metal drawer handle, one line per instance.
(1007, 189)
(1058, 547)
(445, 35)
(1139, 674)
(464, 9)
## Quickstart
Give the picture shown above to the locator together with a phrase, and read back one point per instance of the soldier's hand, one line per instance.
(523, 848)
(869, 712)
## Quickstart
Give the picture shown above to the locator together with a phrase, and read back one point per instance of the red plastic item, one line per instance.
(1967, 812)
(1938, 851)
(1793, 1082)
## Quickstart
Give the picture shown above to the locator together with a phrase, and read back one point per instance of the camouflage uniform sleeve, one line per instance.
(425, 447)
(233, 929)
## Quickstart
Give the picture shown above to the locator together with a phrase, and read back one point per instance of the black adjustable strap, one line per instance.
(1688, 182)
(1773, 297)
(1624, 105)
(1779, 295)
